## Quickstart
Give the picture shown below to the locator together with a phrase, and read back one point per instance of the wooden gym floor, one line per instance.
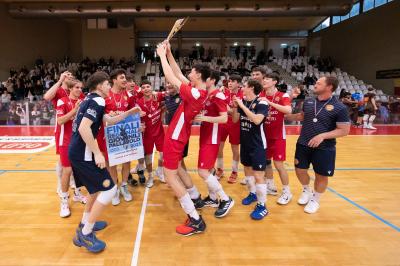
(358, 222)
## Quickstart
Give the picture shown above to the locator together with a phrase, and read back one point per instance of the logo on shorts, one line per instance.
(329, 172)
(106, 183)
(296, 162)
(260, 166)
(329, 107)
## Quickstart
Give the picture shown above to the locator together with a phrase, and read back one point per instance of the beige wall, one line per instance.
(22, 41)
(366, 43)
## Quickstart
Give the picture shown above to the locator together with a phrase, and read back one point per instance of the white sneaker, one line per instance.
(365, 126)
(78, 197)
(304, 197)
(115, 200)
(371, 127)
(125, 193)
(64, 209)
(160, 174)
(150, 182)
(311, 207)
(272, 191)
(285, 198)
(244, 181)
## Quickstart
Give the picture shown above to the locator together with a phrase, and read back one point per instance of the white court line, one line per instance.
(135, 256)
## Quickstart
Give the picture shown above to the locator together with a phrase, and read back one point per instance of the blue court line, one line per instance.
(364, 209)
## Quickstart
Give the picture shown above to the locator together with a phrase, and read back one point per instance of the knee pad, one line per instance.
(105, 197)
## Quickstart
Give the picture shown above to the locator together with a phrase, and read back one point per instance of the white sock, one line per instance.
(188, 206)
(365, 119)
(213, 195)
(193, 192)
(220, 163)
(261, 193)
(72, 182)
(270, 183)
(87, 228)
(215, 186)
(306, 188)
(251, 184)
(159, 169)
(286, 189)
(317, 196)
(85, 217)
(235, 166)
(64, 195)
(59, 175)
(124, 183)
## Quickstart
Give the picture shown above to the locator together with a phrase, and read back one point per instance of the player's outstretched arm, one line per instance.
(168, 73)
(51, 93)
(112, 120)
(174, 65)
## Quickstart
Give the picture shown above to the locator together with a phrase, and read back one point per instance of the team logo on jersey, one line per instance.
(329, 107)
(91, 112)
(177, 100)
(296, 162)
(106, 183)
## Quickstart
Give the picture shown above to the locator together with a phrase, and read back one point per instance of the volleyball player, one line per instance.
(252, 113)
(324, 118)
(88, 162)
(179, 130)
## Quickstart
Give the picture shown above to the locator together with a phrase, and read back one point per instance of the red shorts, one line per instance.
(173, 153)
(276, 149)
(231, 130)
(208, 154)
(57, 138)
(150, 141)
(63, 151)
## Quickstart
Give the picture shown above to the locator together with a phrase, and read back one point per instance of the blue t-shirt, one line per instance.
(333, 112)
(92, 108)
(252, 135)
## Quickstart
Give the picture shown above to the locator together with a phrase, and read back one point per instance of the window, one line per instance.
(325, 23)
(368, 5)
(335, 19)
(355, 10)
(318, 28)
(343, 18)
(380, 2)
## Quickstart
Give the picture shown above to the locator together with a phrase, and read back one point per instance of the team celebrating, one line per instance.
(251, 114)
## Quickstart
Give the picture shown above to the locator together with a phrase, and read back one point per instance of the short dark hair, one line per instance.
(215, 75)
(204, 70)
(273, 76)
(130, 77)
(235, 77)
(145, 82)
(116, 72)
(259, 69)
(95, 79)
(252, 83)
(332, 81)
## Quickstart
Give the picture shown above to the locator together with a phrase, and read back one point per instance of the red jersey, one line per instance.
(192, 103)
(215, 104)
(64, 106)
(275, 121)
(229, 101)
(134, 95)
(152, 119)
(60, 93)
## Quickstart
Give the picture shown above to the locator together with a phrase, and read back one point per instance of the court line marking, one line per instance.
(135, 255)
(364, 209)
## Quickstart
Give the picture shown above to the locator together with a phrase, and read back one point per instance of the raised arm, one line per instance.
(51, 93)
(68, 116)
(168, 73)
(174, 66)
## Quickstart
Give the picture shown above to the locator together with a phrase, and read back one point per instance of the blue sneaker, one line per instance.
(252, 197)
(90, 242)
(260, 211)
(99, 225)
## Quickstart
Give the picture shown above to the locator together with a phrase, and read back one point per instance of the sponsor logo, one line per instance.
(106, 183)
(91, 112)
(16, 144)
(329, 107)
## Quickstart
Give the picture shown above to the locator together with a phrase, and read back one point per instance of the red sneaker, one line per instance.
(219, 173)
(191, 226)
(233, 178)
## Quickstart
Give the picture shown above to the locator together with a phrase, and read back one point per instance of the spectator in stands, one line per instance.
(370, 109)
(350, 103)
(36, 115)
(21, 114)
(6, 98)
(3, 114)
(45, 115)
(383, 112)
(12, 118)
(237, 52)
(299, 100)
(285, 53)
(310, 79)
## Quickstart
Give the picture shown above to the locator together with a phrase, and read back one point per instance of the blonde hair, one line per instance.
(72, 82)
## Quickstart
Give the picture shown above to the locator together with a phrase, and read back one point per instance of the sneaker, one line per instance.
(311, 207)
(78, 197)
(142, 178)
(304, 197)
(99, 225)
(160, 174)
(125, 193)
(272, 191)
(219, 173)
(64, 209)
(224, 208)
(208, 202)
(191, 226)
(198, 203)
(243, 181)
(260, 211)
(115, 200)
(131, 181)
(371, 127)
(150, 182)
(90, 242)
(365, 126)
(232, 178)
(252, 197)
(285, 198)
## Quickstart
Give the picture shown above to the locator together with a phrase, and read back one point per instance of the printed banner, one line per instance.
(124, 141)
(17, 144)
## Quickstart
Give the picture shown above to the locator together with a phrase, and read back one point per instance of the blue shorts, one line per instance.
(323, 161)
(87, 174)
(255, 158)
